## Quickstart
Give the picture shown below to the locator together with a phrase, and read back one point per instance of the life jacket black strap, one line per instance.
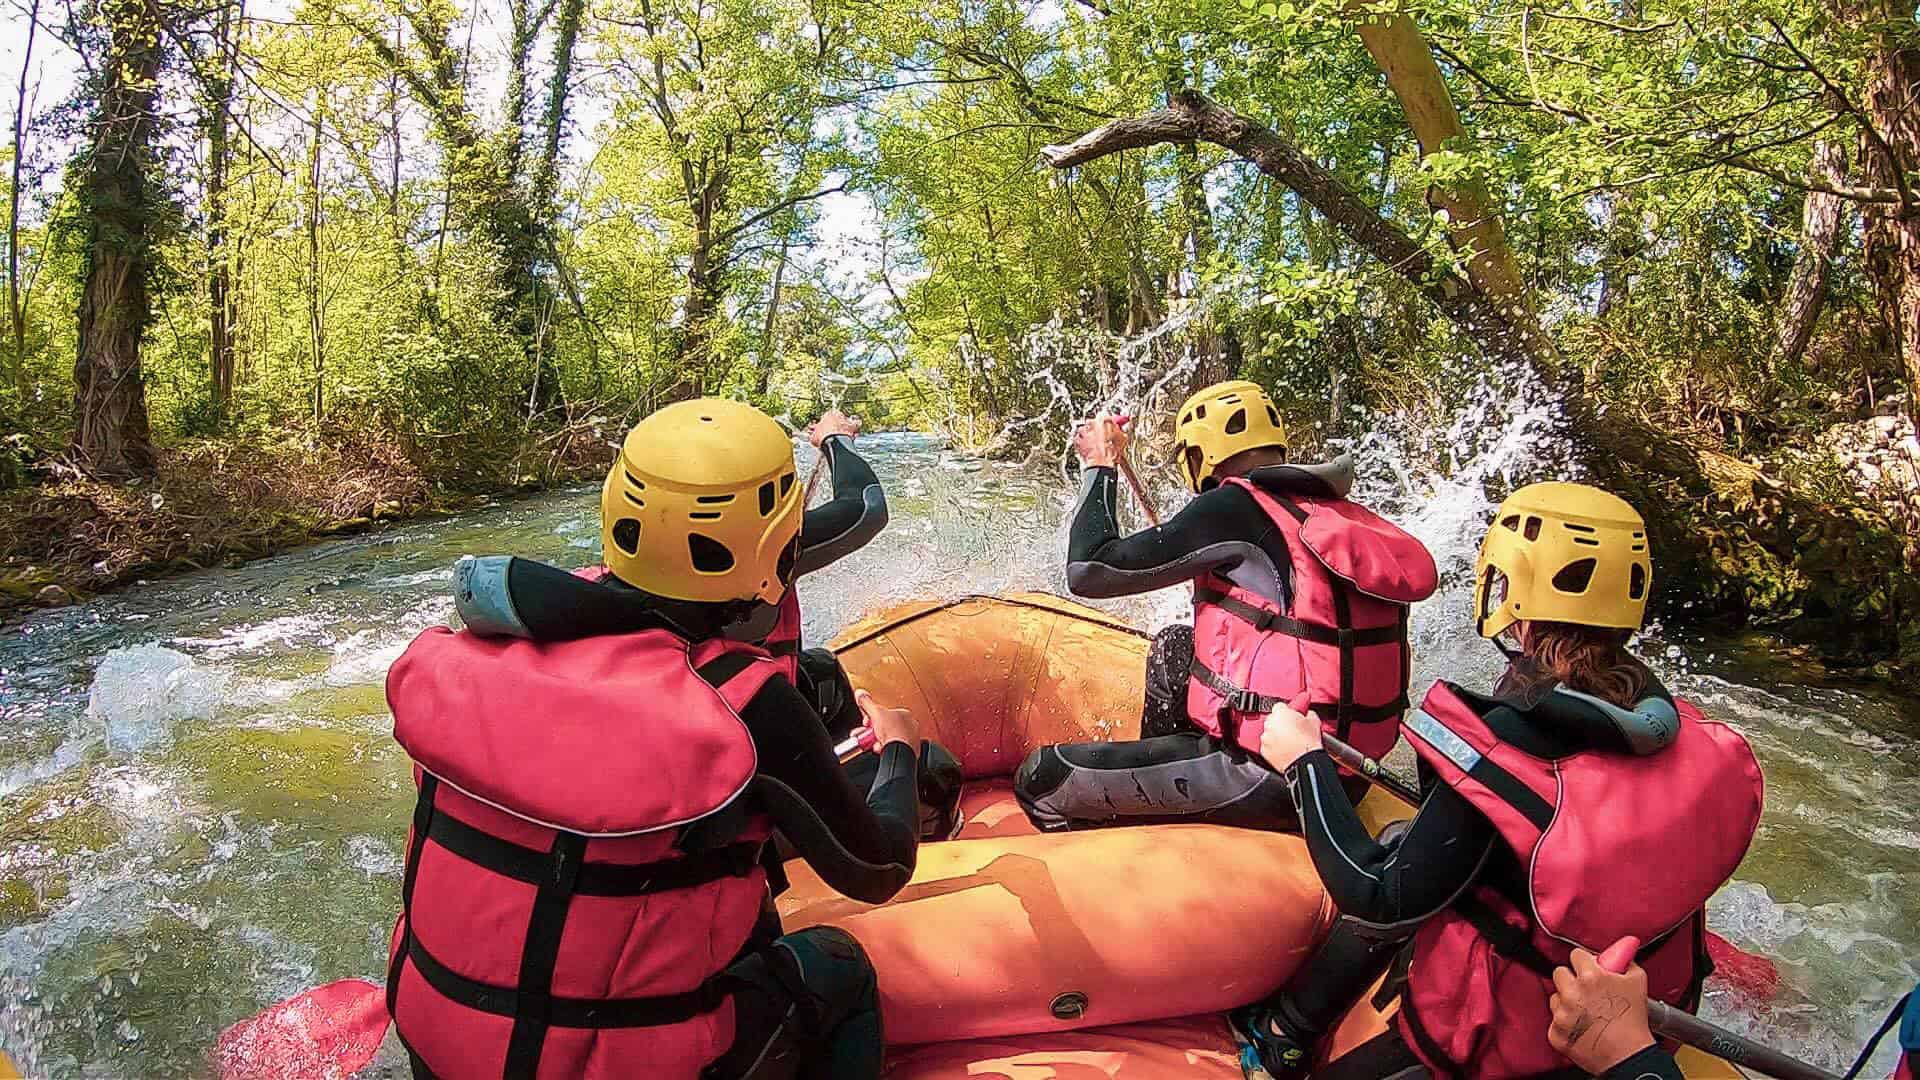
(535, 867)
(720, 670)
(1517, 945)
(1273, 622)
(423, 816)
(566, 1012)
(1481, 769)
(1240, 699)
(789, 647)
(540, 954)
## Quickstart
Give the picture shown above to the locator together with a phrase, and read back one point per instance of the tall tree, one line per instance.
(1890, 148)
(16, 301)
(119, 209)
(1819, 234)
(221, 317)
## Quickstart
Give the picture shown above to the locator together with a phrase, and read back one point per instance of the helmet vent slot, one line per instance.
(710, 556)
(766, 498)
(1512, 523)
(638, 484)
(704, 515)
(1637, 582)
(1587, 540)
(714, 499)
(1532, 530)
(786, 483)
(1199, 412)
(626, 535)
(1237, 423)
(1187, 419)
(1574, 577)
(634, 499)
(1273, 414)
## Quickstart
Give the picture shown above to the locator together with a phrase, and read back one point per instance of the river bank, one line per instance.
(215, 503)
(223, 504)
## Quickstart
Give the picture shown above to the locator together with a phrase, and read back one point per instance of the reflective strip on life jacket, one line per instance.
(1594, 834)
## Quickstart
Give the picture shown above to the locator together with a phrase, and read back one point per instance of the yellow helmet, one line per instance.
(1219, 422)
(1565, 553)
(702, 504)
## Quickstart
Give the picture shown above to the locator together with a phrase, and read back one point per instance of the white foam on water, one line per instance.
(374, 856)
(141, 692)
(277, 633)
(69, 753)
(362, 658)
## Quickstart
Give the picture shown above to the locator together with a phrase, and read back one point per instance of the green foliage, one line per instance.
(476, 297)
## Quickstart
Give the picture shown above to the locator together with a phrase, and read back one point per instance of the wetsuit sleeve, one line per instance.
(861, 843)
(845, 523)
(1218, 530)
(1384, 884)
(1653, 1063)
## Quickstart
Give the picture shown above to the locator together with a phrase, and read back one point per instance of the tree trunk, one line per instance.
(16, 305)
(220, 313)
(1893, 229)
(1474, 226)
(316, 310)
(1219, 350)
(566, 31)
(111, 436)
(770, 337)
(1819, 232)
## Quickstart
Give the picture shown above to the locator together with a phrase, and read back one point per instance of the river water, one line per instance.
(201, 809)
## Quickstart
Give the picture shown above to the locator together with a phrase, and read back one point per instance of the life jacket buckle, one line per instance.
(1246, 701)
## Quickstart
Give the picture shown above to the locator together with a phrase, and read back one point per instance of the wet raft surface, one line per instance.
(1111, 952)
(224, 829)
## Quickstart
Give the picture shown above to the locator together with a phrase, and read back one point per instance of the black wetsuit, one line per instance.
(806, 1004)
(1386, 886)
(1175, 772)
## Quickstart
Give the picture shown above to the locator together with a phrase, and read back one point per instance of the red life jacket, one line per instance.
(1612, 845)
(580, 869)
(1342, 642)
(782, 642)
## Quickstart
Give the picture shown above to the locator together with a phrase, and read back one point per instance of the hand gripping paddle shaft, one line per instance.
(1661, 1017)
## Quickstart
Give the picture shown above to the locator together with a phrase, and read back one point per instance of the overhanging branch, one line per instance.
(1191, 116)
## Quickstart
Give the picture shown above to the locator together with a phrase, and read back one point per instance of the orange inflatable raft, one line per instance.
(1109, 954)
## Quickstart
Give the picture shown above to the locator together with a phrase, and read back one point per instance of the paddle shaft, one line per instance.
(1139, 489)
(1664, 1019)
(1674, 1023)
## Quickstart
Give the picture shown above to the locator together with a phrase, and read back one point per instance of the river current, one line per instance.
(202, 809)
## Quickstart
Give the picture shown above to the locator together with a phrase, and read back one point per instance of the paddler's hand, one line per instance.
(1102, 441)
(889, 725)
(834, 422)
(1289, 735)
(1599, 1018)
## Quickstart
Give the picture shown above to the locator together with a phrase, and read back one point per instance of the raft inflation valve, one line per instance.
(1071, 1005)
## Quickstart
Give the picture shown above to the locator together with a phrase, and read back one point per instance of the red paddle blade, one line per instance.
(1752, 976)
(327, 1033)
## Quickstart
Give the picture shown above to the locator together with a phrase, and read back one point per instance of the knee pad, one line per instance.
(1041, 774)
(829, 690)
(831, 973)
(940, 782)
